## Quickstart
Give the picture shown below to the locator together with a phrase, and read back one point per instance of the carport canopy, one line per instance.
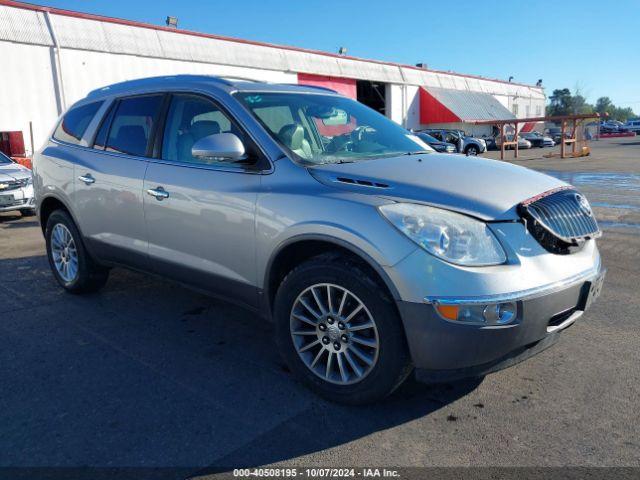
(444, 105)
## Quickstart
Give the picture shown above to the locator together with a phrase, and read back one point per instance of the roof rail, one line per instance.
(318, 87)
(143, 81)
(242, 79)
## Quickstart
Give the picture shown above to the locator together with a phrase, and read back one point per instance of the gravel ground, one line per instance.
(147, 373)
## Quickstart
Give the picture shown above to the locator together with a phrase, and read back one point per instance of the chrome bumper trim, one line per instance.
(574, 316)
(519, 295)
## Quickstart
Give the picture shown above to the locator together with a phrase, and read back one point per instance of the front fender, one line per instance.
(338, 242)
(358, 227)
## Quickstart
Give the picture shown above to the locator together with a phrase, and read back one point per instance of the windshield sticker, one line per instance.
(254, 99)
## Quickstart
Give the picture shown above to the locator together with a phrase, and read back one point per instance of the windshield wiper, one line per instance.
(419, 152)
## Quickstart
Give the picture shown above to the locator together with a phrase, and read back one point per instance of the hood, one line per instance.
(13, 171)
(487, 189)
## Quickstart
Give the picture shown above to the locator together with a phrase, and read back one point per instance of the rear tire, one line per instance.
(351, 379)
(71, 264)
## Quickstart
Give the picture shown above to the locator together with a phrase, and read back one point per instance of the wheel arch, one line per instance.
(472, 145)
(300, 248)
(50, 204)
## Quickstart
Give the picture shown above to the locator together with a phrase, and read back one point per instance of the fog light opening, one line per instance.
(506, 313)
(500, 313)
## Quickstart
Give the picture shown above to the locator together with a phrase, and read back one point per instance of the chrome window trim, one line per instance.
(219, 168)
(521, 294)
(233, 107)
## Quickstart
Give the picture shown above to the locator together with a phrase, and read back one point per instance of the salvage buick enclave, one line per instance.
(373, 255)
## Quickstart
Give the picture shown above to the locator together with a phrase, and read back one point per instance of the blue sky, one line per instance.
(590, 44)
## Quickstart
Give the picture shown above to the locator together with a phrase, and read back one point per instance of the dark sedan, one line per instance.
(437, 145)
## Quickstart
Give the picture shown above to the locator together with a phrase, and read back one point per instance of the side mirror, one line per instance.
(221, 147)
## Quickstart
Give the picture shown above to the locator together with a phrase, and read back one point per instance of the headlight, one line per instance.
(450, 236)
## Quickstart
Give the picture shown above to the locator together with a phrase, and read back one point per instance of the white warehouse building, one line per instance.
(51, 58)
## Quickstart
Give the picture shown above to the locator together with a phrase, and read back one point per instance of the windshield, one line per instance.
(320, 129)
(4, 159)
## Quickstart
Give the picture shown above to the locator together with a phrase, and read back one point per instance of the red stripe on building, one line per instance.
(432, 111)
(344, 86)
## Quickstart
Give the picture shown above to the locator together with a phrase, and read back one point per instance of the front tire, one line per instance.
(339, 332)
(472, 150)
(71, 264)
(27, 212)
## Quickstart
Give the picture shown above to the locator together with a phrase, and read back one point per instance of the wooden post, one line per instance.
(575, 137)
(515, 139)
(502, 141)
(563, 129)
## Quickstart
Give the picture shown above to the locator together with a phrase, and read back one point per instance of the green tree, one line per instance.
(559, 102)
(604, 105)
(621, 114)
(578, 104)
(563, 102)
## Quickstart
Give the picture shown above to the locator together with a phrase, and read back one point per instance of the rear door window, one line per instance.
(75, 123)
(132, 124)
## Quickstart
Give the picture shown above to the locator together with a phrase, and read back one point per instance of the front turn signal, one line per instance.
(450, 312)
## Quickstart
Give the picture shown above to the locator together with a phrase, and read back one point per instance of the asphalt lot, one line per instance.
(147, 373)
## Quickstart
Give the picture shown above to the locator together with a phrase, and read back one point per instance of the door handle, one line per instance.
(87, 179)
(158, 193)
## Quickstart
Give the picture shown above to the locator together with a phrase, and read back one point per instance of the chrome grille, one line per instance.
(565, 213)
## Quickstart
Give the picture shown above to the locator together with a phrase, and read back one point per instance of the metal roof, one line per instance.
(35, 24)
(471, 106)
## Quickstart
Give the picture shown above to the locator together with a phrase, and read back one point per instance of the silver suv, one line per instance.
(372, 254)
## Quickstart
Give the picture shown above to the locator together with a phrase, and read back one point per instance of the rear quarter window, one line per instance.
(131, 126)
(75, 123)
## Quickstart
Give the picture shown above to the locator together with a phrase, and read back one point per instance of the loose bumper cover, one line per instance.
(444, 350)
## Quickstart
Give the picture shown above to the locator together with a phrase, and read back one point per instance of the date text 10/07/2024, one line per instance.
(315, 473)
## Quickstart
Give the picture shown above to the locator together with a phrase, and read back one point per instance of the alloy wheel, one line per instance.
(334, 334)
(64, 252)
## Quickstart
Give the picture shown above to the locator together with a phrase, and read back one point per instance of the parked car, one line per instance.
(538, 140)
(16, 187)
(372, 254)
(490, 142)
(632, 126)
(522, 143)
(611, 126)
(437, 145)
(464, 144)
(608, 128)
(556, 134)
